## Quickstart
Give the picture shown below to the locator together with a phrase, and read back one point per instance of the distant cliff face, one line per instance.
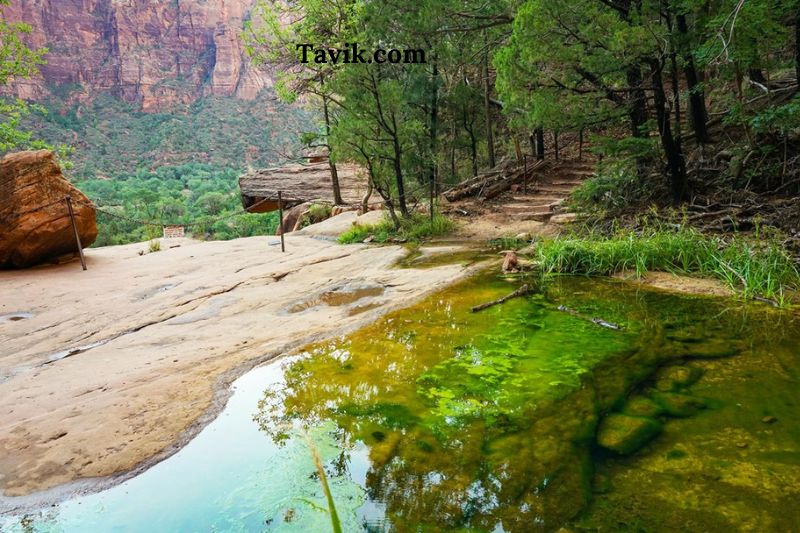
(153, 53)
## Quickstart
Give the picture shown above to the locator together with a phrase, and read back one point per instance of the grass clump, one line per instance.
(753, 268)
(316, 213)
(508, 243)
(414, 229)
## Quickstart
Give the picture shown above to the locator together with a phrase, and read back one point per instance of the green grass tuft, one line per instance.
(753, 268)
(415, 229)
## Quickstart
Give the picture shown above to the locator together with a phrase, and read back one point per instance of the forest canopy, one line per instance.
(659, 88)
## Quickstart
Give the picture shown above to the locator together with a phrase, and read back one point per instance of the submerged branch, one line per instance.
(522, 291)
(598, 321)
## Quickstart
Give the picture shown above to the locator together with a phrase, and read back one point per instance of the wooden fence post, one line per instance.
(280, 216)
(75, 230)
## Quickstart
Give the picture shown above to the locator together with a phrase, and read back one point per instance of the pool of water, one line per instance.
(436, 418)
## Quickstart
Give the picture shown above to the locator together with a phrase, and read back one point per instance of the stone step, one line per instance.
(540, 217)
(568, 183)
(524, 208)
(535, 198)
(549, 189)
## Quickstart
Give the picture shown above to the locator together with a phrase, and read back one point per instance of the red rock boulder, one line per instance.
(34, 221)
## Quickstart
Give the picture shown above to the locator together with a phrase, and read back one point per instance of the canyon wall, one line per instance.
(151, 53)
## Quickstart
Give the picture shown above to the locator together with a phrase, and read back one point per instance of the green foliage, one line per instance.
(202, 196)
(779, 120)
(754, 268)
(414, 229)
(19, 61)
(508, 243)
(316, 213)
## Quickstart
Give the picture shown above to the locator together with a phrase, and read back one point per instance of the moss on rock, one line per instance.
(678, 405)
(642, 406)
(672, 378)
(626, 434)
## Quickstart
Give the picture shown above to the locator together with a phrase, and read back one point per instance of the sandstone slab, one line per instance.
(34, 221)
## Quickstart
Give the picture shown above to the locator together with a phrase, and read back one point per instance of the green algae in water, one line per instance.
(486, 421)
(438, 419)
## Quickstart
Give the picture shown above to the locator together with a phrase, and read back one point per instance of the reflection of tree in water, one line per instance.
(455, 447)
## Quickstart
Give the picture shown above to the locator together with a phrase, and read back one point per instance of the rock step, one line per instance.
(536, 198)
(526, 208)
(569, 183)
(550, 189)
(540, 217)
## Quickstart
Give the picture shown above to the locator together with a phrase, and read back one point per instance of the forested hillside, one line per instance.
(109, 137)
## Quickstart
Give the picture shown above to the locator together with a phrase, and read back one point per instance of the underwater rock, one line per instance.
(672, 378)
(384, 448)
(769, 419)
(626, 434)
(711, 349)
(678, 405)
(642, 406)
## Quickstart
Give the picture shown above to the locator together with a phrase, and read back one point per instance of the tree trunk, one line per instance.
(517, 149)
(337, 194)
(637, 111)
(672, 150)
(434, 126)
(756, 75)
(539, 143)
(580, 145)
(676, 96)
(453, 134)
(487, 109)
(473, 146)
(697, 98)
(797, 46)
(366, 197)
(555, 144)
(398, 174)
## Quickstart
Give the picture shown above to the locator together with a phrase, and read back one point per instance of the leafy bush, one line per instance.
(316, 213)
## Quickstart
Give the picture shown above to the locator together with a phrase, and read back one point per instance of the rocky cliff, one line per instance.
(148, 52)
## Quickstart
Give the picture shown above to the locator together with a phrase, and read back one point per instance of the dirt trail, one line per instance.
(115, 368)
(526, 208)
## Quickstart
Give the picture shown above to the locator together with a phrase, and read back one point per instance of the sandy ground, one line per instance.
(117, 367)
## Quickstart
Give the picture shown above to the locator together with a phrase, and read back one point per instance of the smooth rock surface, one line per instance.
(122, 364)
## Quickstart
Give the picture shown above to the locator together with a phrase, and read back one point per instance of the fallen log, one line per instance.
(502, 186)
(598, 321)
(474, 186)
(522, 291)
